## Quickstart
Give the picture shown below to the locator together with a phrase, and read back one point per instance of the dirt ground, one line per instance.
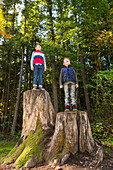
(79, 162)
(82, 162)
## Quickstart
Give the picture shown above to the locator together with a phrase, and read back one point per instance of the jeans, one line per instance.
(38, 74)
(69, 90)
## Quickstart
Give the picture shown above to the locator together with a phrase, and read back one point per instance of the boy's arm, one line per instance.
(76, 84)
(44, 64)
(60, 79)
(31, 62)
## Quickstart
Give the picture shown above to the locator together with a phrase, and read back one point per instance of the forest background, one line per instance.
(81, 30)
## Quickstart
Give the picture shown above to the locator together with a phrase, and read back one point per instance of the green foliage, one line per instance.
(106, 76)
(107, 150)
(98, 131)
(103, 87)
(108, 142)
(102, 128)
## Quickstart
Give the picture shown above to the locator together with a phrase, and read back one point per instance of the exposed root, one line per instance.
(65, 157)
(99, 155)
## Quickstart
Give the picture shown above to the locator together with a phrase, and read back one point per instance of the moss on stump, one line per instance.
(31, 151)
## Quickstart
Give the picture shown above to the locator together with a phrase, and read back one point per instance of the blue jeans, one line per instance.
(38, 74)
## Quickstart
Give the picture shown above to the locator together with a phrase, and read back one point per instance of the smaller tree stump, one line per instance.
(65, 138)
(72, 134)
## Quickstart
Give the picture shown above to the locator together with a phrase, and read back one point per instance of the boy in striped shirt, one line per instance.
(38, 65)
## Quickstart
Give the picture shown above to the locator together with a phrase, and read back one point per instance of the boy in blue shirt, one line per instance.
(68, 80)
(38, 65)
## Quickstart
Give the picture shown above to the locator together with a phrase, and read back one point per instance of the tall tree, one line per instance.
(20, 78)
(88, 105)
(54, 81)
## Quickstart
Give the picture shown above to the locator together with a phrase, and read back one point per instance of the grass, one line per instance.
(6, 147)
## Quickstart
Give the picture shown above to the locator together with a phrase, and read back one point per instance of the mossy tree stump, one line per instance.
(38, 120)
(40, 142)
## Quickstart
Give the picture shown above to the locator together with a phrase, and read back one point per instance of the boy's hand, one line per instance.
(44, 69)
(32, 68)
(61, 86)
(76, 85)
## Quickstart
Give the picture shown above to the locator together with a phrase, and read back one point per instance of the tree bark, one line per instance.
(84, 84)
(54, 83)
(86, 142)
(65, 138)
(37, 106)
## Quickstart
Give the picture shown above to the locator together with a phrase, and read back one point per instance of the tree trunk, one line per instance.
(84, 84)
(39, 142)
(54, 81)
(8, 89)
(20, 80)
(26, 72)
(5, 97)
(18, 95)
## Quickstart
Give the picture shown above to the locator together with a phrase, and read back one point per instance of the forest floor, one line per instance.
(76, 162)
(79, 162)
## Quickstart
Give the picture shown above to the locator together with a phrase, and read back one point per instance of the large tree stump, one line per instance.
(41, 143)
(37, 106)
(38, 120)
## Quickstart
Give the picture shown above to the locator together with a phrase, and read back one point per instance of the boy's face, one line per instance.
(66, 62)
(38, 47)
